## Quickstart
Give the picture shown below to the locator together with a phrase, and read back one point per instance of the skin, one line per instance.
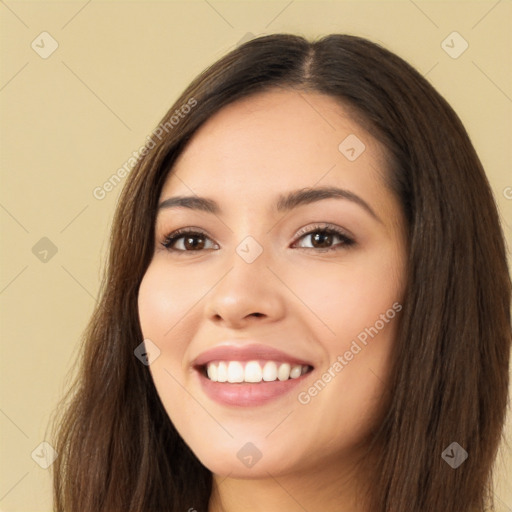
(311, 303)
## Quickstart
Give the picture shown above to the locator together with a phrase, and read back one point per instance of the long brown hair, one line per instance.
(118, 449)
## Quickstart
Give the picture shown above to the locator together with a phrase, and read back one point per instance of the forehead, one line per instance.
(275, 141)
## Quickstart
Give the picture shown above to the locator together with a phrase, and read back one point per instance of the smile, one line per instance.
(253, 371)
(248, 375)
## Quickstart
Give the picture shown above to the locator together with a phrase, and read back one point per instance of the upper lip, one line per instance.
(253, 351)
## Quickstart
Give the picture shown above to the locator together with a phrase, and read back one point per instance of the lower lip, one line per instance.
(247, 394)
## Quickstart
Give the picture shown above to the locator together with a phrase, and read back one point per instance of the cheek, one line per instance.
(348, 297)
(164, 298)
(162, 302)
(154, 305)
(356, 310)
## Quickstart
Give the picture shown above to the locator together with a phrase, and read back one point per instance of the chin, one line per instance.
(240, 457)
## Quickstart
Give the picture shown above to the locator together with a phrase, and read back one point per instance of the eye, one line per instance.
(192, 240)
(323, 236)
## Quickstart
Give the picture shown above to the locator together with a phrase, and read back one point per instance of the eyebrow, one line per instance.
(284, 203)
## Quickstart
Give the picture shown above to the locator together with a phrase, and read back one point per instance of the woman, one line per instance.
(307, 300)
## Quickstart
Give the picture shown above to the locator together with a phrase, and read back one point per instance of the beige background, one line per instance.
(70, 120)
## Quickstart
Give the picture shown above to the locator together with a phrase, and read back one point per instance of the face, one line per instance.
(275, 306)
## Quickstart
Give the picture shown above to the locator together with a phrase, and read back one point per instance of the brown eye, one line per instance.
(186, 241)
(323, 238)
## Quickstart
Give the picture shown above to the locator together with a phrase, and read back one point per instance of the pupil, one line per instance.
(190, 244)
(327, 238)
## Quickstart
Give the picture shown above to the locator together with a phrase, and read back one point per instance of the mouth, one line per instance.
(249, 376)
(253, 372)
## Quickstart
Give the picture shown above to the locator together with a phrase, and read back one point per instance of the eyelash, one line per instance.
(329, 229)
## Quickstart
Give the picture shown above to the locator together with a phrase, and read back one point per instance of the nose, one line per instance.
(246, 293)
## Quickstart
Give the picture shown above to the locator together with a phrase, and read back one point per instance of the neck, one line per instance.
(326, 489)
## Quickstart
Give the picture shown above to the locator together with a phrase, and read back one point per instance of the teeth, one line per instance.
(284, 372)
(253, 372)
(212, 372)
(295, 371)
(234, 371)
(270, 371)
(222, 372)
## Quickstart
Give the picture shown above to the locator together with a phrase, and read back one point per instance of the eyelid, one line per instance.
(318, 226)
(302, 231)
